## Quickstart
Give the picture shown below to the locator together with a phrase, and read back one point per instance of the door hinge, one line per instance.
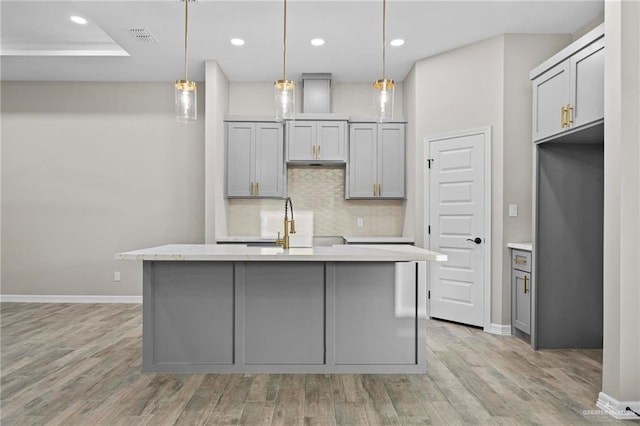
(429, 160)
(429, 294)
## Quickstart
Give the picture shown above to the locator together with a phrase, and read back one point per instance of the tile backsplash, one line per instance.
(321, 189)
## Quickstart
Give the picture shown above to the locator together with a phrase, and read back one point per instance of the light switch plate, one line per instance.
(513, 210)
(360, 222)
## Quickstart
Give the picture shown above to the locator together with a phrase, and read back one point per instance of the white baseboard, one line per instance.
(54, 298)
(618, 409)
(499, 329)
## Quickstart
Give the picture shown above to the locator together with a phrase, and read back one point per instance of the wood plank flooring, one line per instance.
(79, 364)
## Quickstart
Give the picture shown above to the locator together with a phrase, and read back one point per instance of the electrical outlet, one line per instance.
(513, 210)
(116, 276)
(360, 222)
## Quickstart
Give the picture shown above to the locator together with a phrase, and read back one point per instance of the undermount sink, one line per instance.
(262, 244)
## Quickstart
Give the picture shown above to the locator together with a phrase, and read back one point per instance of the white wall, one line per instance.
(621, 365)
(486, 83)
(522, 53)
(217, 106)
(89, 170)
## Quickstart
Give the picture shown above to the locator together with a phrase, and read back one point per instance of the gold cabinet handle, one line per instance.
(526, 290)
(251, 189)
(563, 119)
(375, 188)
(257, 188)
(379, 190)
(569, 115)
(313, 152)
(318, 151)
(520, 261)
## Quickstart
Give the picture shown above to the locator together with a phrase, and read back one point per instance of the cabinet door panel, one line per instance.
(550, 95)
(391, 163)
(240, 159)
(522, 288)
(269, 160)
(373, 329)
(362, 160)
(587, 86)
(301, 138)
(331, 140)
(183, 294)
(284, 330)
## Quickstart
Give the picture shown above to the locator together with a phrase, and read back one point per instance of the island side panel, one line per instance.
(188, 315)
(376, 314)
(284, 307)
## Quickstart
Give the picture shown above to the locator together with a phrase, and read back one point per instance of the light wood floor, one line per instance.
(80, 364)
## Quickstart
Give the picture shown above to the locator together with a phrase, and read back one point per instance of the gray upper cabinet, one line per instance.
(316, 142)
(587, 85)
(568, 89)
(376, 167)
(255, 160)
(551, 96)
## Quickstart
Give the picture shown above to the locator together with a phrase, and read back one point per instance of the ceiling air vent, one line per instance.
(143, 35)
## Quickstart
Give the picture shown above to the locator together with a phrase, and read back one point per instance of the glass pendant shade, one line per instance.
(285, 97)
(186, 99)
(383, 100)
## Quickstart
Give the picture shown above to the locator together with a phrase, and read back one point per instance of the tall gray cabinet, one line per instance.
(255, 159)
(567, 265)
(376, 166)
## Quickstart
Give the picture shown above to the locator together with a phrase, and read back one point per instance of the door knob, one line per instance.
(476, 240)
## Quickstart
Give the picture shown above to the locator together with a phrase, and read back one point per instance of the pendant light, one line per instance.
(185, 93)
(383, 88)
(285, 89)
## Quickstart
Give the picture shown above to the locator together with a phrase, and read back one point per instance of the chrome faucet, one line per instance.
(289, 226)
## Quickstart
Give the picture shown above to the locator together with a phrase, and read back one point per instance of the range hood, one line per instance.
(316, 92)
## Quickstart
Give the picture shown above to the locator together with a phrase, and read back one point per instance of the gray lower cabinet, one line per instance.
(376, 166)
(283, 314)
(316, 141)
(368, 330)
(284, 317)
(521, 291)
(184, 297)
(255, 160)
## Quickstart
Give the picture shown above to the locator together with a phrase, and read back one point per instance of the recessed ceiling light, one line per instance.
(397, 42)
(79, 20)
(237, 41)
(317, 42)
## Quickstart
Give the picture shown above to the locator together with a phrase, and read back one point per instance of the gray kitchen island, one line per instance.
(231, 308)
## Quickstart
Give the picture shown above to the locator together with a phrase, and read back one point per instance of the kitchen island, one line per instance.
(231, 308)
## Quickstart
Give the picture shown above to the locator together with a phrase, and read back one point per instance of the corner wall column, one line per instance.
(621, 368)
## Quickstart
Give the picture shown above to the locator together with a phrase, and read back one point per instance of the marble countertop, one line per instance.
(238, 252)
(521, 246)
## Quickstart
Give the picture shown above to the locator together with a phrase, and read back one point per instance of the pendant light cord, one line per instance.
(384, 36)
(186, 36)
(284, 45)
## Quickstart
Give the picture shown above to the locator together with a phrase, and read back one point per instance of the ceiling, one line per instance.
(40, 43)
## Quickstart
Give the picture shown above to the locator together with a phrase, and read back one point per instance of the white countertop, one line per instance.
(378, 240)
(233, 252)
(521, 246)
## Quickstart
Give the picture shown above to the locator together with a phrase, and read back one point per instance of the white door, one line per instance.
(456, 225)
